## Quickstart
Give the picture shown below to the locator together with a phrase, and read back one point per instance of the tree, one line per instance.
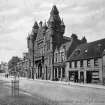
(12, 64)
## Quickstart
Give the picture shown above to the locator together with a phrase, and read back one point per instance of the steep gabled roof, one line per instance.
(66, 39)
(88, 50)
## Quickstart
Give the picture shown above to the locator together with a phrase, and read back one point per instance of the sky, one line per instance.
(82, 17)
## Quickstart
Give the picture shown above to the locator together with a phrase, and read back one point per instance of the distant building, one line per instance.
(23, 66)
(48, 48)
(3, 67)
(87, 63)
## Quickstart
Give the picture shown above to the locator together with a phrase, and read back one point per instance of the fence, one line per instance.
(15, 87)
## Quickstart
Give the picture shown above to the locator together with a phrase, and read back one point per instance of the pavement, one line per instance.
(63, 93)
(24, 98)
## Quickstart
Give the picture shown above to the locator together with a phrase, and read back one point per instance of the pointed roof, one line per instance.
(54, 10)
(54, 16)
(35, 25)
(62, 23)
(84, 39)
(45, 25)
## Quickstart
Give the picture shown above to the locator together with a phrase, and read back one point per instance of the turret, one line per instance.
(28, 39)
(35, 28)
(40, 24)
(74, 36)
(44, 27)
(54, 20)
(62, 27)
(83, 40)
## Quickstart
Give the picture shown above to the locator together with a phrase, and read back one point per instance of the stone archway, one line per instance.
(46, 73)
(39, 70)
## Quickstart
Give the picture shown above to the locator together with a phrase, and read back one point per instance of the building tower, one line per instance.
(55, 30)
(31, 42)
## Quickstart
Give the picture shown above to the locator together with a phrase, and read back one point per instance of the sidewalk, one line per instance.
(61, 83)
(73, 84)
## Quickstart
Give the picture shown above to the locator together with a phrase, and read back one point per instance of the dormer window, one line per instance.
(86, 51)
(77, 52)
(99, 45)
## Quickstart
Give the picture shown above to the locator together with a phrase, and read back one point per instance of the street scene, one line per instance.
(52, 52)
(39, 92)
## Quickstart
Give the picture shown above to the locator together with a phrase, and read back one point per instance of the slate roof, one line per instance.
(88, 50)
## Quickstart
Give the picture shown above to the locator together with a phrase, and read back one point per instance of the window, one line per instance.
(39, 44)
(81, 63)
(56, 57)
(70, 65)
(77, 52)
(96, 62)
(48, 45)
(62, 56)
(49, 60)
(63, 72)
(75, 64)
(88, 63)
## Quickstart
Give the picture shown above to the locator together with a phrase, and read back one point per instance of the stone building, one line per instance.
(23, 66)
(48, 48)
(4, 67)
(86, 63)
(103, 63)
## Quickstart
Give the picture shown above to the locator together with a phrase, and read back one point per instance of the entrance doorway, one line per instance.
(46, 72)
(81, 76)
(76, 76)
(89, 76)
(73, 76)
(40, 70)
(56, 78)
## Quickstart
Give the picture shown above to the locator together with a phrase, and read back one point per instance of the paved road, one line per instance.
(24, 98)
(64, 94)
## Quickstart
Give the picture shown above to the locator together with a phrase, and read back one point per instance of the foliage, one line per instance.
(12, 64)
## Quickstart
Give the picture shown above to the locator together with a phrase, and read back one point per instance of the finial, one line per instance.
(35, 25)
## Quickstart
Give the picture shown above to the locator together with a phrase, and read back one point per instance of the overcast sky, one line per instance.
(83, 17)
